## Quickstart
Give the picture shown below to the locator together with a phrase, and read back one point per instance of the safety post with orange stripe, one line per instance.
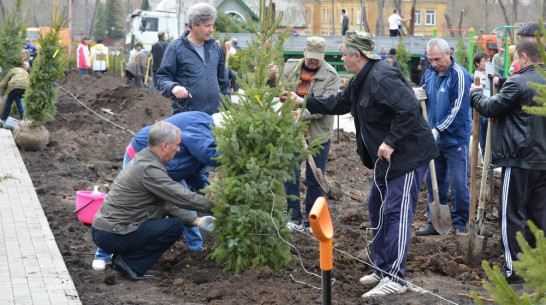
(323, 230)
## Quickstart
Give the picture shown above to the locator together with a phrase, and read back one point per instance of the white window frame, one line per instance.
(430, 14)
(358, 16)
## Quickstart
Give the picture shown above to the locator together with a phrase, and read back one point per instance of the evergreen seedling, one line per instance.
(41, 94)
(258, 140)
(12, 38)
(531, 266)
(403, 56)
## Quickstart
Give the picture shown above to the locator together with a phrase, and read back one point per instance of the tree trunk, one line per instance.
(380, 27)
(485, 19)
(93, 18)
(3, 11)
(364, 19)
(448, 25)
(461, 21)
(506, 21)
(412, 22)
(515, 11)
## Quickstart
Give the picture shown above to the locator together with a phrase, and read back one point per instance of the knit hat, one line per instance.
(363, 41)
(315, 47)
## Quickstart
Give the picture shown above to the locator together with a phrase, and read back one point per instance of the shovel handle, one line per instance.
(432, 166)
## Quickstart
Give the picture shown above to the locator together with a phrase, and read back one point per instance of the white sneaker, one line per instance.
(310, 230)
(385, 287)
(370, 279)
(99, 265)
(294, 226)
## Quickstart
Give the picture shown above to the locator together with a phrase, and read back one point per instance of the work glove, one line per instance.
(435, 133)
(206, 223)
(420, 93)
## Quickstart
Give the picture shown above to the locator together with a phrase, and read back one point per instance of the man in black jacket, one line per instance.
(158, 49)
(518, 145)
(394, 140)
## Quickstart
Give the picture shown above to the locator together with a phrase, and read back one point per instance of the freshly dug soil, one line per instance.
(86, 150)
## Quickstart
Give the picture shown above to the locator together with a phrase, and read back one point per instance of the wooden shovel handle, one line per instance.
(474, 160)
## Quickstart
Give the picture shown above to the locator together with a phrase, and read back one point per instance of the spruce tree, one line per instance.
(41, 94)
(115, 24)
(258, 140)
(403, 56)
(100, 25)
(12, 38)
(145, 5)
(461, 52)
(531, 266)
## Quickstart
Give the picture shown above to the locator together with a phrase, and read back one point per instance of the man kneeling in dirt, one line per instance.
(131, 222)
(394, 140)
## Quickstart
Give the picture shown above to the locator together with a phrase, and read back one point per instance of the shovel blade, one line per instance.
(470, 246)
(440, 216)
(321, 179)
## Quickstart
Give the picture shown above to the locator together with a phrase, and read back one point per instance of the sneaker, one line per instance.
(99, 265)
(294, 226)
(513, 278)
(385, 287)
(310, 230)
(370, 279)
(426, 231)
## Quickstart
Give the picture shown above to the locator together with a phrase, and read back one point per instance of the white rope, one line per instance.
(91, 110)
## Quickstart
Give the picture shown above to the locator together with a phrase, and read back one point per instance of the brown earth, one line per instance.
(85, 150)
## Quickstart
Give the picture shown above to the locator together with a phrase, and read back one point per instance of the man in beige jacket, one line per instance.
(313, 76)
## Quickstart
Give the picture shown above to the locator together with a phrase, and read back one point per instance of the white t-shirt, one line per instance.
(394, 21)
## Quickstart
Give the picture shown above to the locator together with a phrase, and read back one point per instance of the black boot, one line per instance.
(119, 265)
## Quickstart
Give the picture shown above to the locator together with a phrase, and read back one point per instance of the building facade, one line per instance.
(318, 16)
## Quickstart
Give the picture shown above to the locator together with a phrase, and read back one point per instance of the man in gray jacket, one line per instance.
(311, 74)
(131, 222)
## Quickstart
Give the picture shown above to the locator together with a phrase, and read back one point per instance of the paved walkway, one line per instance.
(32, 270)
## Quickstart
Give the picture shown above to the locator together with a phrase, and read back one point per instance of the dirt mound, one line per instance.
(86, 150)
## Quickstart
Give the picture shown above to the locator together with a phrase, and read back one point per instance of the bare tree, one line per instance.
(485, 18)
(461, 21)
(412, 22)
(380, 27)
(93, 18)
(506, 21)
(448, 25)
(3, 10)
(514, 10)
(364, 19)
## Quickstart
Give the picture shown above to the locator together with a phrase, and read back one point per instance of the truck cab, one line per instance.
(144, 26)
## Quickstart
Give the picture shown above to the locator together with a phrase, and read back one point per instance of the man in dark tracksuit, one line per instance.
(192, 73)
(518, 145)
(158, 49)
(394, 140)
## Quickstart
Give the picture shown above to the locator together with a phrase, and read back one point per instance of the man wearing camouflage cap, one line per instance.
(394, 140)
(311, 74)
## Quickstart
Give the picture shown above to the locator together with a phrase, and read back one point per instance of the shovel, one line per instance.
(440, 215)
(316, 171)
(471, 244)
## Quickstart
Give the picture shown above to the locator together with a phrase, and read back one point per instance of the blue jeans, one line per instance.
(313, 187)
(194, 240)
(14, 95)
(452, 168)
(83, 72)
(142, 248)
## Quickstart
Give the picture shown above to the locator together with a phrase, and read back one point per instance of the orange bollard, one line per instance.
(323, 230)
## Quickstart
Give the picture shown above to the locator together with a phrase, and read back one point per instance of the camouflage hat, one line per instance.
(529, 29)
(363, 41)
(315, 47)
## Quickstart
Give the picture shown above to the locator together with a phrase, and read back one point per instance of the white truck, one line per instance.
(169, 16)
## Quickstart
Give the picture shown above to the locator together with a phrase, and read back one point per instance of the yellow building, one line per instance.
(318, 15)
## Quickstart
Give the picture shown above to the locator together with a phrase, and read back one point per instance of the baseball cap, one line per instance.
(363, 41)
(529, 29)
(315, 47)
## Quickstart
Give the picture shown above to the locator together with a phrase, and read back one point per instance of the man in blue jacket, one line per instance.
(447, 87)
(192, 73)
(197, 151)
